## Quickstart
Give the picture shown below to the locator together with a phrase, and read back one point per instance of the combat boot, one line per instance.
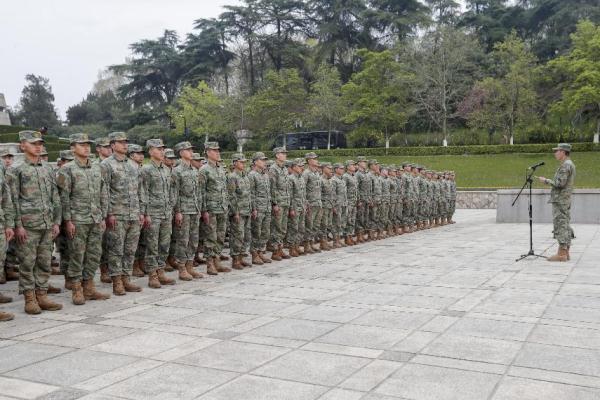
(568, 253)
(223, 257)
(44, 301)
(275, 256)
(184, 275)
(308, 248)
(243, 261)
(199, 260)
(4, 316)
(256, 258)
(293, 251)
(104, 276)
(11, 274)
(336, 242)
(189, 267)
(219, 267)
(31, 305)
(137, 269)
(77, 294)
(299, 250)
(90, 292)
(264, 258)
(314, 247)
(349, 241)
(2, 276)
(270, 247)
(164, 279)
(236, 262)
(5, 299)
(283, 253)
(129, 287)
(210, 267)
(118, 289)
(561, 256)
(153, 281)
(68, 284)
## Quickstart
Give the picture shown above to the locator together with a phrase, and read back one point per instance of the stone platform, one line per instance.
(438, 314)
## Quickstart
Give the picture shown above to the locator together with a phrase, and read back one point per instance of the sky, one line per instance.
(70, 41)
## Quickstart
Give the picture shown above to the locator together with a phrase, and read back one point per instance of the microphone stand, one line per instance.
(528, 182)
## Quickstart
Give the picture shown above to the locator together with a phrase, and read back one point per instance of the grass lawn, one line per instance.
(502, 170)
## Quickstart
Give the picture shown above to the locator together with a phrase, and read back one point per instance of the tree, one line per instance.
(507, 101)
(397, 20)
(36, 106)
(444, 11)
(378, 94)
(445, 64)
(326, 106)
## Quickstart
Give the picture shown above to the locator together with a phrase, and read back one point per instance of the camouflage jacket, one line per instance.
(278, 177)
(562, 183)
(312, 180)
(156, 180)
(125, 191)
(83, 195)
(393, 189)
(385, 189)
(364, 186)
(351, 188)
(260, 192)
(34, 195)
(7, 210)
(298, 193)
(376, 187)
(238, 188)
(327, 195)
(340, 192)
(213, 183)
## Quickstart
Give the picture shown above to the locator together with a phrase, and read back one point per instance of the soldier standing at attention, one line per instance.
(328, 201)
(156, 181)
(124, 218)
(37, 217)
(6, 235)
(298, 205)
(352, 193)
(136, 153)
(84, 203)
(560, 198)
(240, 208)
(312, 183)
(213, 184)
(103, 150)
(340, 208)
(364, 199)
(384, 209)
(260, 195)
(376, 193)
(280, 200)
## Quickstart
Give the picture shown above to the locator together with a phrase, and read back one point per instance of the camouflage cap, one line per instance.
(80, 138)
(183, 146)
(299, 162)
(279, 150)
(406, 164)
(238, 157)
(373, 162)
(562, 146)
(169, 153)
(259, 155)
(349, 162)
(361, 159)
(197, 157)
(6, 152)
(338, 165)
(288, 163)
(154, 143)
(326, 165)
(44, 153)
(134, 148)
(211, 146)
(102, 142)
(30, 136)
(270, 162)
(310, 155)
(118, 137)
(66, 155)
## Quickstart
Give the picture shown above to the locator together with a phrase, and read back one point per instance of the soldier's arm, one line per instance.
(14, 184)
(63, 181)
(106, 177)
(104, 199)
(233, 198)
(142, 195)
(203, 185)
(56, 204)
(7, 207)
(144, 182)
(561, 178)
(175, 185)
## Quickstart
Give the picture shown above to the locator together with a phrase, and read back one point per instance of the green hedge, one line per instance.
(436, 150)
(11, 129)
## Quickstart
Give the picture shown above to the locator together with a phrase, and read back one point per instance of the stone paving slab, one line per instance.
(440, 314)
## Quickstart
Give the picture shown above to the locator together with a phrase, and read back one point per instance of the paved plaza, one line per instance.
(438, 314)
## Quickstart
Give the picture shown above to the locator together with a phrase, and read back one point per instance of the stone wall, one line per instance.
(484, 199)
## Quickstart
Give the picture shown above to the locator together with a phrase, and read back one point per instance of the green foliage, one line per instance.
(36, 106)
(326, 106)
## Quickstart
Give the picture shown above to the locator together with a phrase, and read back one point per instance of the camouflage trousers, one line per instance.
(351, 220)
(35, 256)
(339, 217)
(384, 215)
(121, 244)
(261, 230)
(374, 213)
(85, 250)
(184, 240)
(362, 216)
(157, 242)
(561, 217)
(407, 215)
(399, 213)
(296, 229)
(239, 231)
(3, 249)
(214, 234)
(312, 223)
(62, 246)
(279, 226)
(140, 252)
(326, 223)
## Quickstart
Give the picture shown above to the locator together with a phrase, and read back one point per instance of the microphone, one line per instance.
(537, 165)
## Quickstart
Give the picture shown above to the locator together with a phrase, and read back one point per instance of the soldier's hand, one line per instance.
(21, 235)
(276, 210)
(292, 213)
(141, 220)
(542, 179)
(206, 218)
(236, 218)
(70, 229)
(254, 214)
(9, 233)
(103, 225)
(178, 219)
(55, 230)
(359, 204)
(334, 211)
(111, 222)
(147, 221)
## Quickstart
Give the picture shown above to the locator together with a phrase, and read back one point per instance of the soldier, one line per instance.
(328, 202)
(452, 209)
(136, 153)
(187, 195)
(84, 203)
(392, 211)
(6, 234)
(240, 208)
(125, 216)
(37, 217)
(376, 193)
(156, 181)
(384, 208)
(397, 200)
(352, 193)
(10, 264)
(312, 183)
(103, 150)
(560, 198)
(7, 160)
(280, 200)
(365, 200)
(298, 206)
(213, 184)
(340, 206)
(169, 159)
(260, 195)
(61, 241)
(197, 161)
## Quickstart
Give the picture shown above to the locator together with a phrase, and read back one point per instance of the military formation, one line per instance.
(115, 212)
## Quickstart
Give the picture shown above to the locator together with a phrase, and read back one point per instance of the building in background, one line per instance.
(4, 117)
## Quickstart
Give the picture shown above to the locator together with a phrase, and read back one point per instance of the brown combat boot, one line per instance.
(568, 253)
(4, 316)
(294, 251)
(276, 256)
(31, 305)
(314, 247)
(236, 262)
(164, 279)
(137, 269)
(308, 248)
(256, 258)
(184, 275)
(189, 267)
(210, 267)
(283, 253)
(243, 261)
(348, 240)
(55, 270)
(5, 299)
(53, 290)
(153, 281)
(199, 260)
(77, 294)
(104, 276)
(129, 287)
(223, 257)
(561, 256)
(90, 292)
(336, 242)
(219, 266)
(118, 289)
(44, 301)
(270, 247)
(11, 274)
(68, 284)
(264, 258)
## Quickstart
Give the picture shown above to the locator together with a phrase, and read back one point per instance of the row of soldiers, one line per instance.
(175, 212)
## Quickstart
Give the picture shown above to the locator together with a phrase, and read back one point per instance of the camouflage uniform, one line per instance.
(280, 197)
(312, 181)
(6, 219)
(328, 202)
(364, 199)
(560, 198)
(352, 193)
(296, 223)
(260, 194)
(384, 218)
(240, 208)
(376, 193)
(340, 205)
(216, 203)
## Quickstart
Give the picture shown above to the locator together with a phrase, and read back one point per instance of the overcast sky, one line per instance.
(69, 41)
